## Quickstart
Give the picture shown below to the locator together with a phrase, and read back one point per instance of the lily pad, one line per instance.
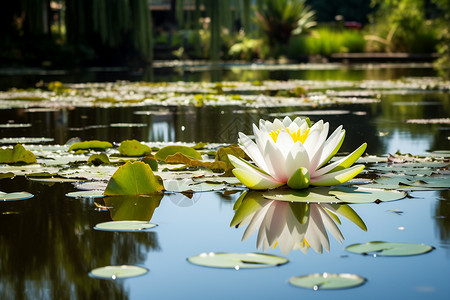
(187, 185)
(15, 196)
(18, 154)
(91, 145)
(125, 226)
(327, 281)
(237, 260)
(86, 194)
(389, 249)
(163, 153)
(133, 148)
(98, 159)
(310, 195)
(7, 175)
(365, 195)
(133, 178)
(411, 183)
(118, 272)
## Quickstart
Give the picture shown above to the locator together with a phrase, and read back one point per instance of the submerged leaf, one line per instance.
(138, 208)
(133, 178)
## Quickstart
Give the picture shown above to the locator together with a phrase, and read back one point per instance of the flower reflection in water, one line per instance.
(291, 225)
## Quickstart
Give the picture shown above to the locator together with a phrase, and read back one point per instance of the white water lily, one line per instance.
(294, 153)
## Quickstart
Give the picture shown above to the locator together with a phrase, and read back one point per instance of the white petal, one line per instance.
(252, 151)
(297, 158)
(287, 121)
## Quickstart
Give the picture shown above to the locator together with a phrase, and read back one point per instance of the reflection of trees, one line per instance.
(48, 247)
(442, 217)
(391, 117)
(291, 225)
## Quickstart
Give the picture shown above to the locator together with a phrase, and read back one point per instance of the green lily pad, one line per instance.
(26, 140)
(133, 148)
(173, 149)
(91, 145)
(86, 194)
(153, 163)
(237, 260)
(327, 281)
(389, 249)
(310, 195)
(15, 196)
(55, 179)
(18, 154)
(412, 183)
(118, 272)
(99, 159)
(133, 178)
(7, 175)
(187, 185)
(125, 226)
(365, 195)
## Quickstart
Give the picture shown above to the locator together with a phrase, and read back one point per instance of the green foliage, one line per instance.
(163, 153)
(18, 154)
(133, 178)
(133, 148)
(281, 19)
(400, 26)
(91, 145)
(326, 41)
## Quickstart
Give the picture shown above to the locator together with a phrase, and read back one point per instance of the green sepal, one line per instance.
(300, 179)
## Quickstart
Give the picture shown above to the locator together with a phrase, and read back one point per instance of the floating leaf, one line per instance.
(99, 159)
(389, 249)
(133, 178)
(237, 260)
(15, 196)
(124, 226)
(138, 208)
(163, 153)
(177, 158)
(55, 179)
(365, 195)
(187, 185)
(153, 163)
(7, 175)
(411, 183)
(327, 281)
(310, 195)
(18, 154)
(92, 185)
(118, 272)
(91, 145)
(223, 152)
(134, 148)
(86, 194)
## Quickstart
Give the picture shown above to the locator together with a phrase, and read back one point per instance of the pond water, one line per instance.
(48, 246)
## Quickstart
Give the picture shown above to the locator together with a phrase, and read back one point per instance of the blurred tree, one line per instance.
(280, 19)
(115, 31)
(443, 63)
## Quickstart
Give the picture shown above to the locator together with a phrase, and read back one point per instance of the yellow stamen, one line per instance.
(297, 136)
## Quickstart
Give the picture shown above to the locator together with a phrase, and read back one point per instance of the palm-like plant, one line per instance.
(280, 19)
